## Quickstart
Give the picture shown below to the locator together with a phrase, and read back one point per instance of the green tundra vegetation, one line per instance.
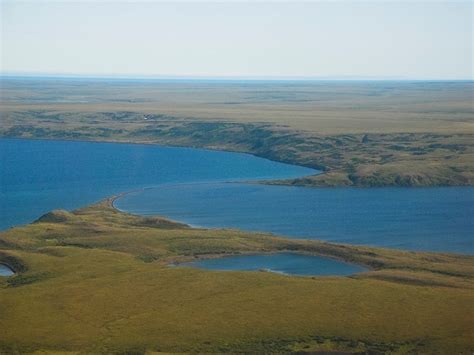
(358, 133)
(98, 280)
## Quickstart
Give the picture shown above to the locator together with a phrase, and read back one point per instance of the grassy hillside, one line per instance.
(97, 280)
(359, 134)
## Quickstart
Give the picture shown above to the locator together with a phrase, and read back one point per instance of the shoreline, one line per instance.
(321, 172)
(110, 202)
(114, 198)
(306, 181)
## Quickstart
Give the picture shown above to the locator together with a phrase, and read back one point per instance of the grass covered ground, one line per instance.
(97, 280)
(359, 133)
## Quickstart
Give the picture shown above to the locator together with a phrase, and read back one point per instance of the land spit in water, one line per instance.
(97, 280)
(32, 184)
(192, 185)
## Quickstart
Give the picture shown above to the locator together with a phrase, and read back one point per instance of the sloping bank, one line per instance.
(364, 160)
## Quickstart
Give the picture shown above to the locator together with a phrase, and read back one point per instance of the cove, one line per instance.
(37, 176)
(6, 271)
(284, 263)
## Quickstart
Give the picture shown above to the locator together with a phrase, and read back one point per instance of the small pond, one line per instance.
(284, 263)
(6, 271)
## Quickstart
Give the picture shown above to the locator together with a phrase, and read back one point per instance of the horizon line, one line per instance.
(221, 78)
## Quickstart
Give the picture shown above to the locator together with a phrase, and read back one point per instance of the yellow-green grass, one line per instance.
(98, 280)
(330, 108)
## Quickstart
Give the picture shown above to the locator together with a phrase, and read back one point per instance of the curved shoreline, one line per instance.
(109, 202)
(126, 192)
(319, 171)
(355, 268)
(336, 170)
(319, 215)
(250, 166)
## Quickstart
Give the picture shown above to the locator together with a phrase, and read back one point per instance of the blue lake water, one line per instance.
(38, 176)
(285, 263)
(5, 271)
(434, 219)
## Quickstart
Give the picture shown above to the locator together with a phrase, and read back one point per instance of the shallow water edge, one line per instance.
(6, 271)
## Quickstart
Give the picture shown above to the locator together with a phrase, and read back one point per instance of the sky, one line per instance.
(319, 39)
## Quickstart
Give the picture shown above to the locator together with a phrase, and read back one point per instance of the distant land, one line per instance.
(118, 76)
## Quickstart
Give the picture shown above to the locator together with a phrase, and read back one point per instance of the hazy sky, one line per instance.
(404, 39)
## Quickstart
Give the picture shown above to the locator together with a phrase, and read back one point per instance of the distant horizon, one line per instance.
(221, 78)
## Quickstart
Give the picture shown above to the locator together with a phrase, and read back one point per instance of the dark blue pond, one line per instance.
(284, 263)
(435, 219)
(6, 271)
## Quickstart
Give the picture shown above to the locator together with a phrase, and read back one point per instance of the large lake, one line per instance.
(37, 176)
(192, 185)
(435, 219)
